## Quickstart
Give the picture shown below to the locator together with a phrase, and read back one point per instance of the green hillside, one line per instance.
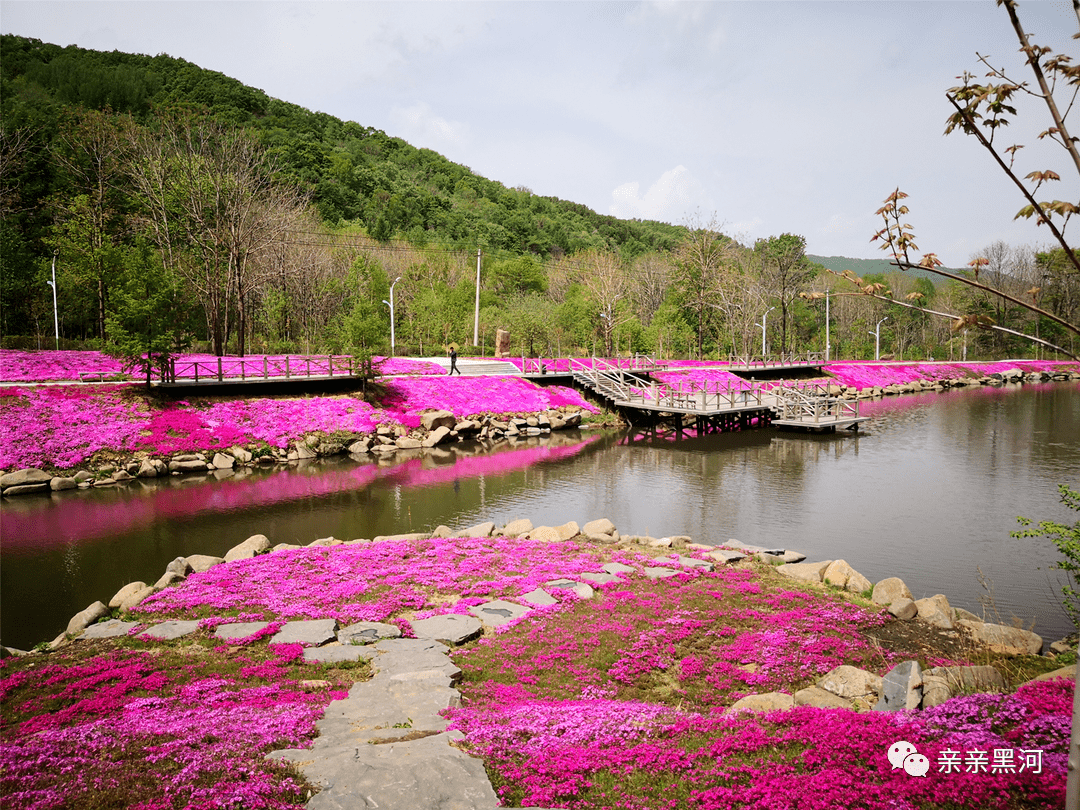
(871, 267)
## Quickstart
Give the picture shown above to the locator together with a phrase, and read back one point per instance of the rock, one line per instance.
(901, 688)
(192, 465)
(540, 598)
(167, 631)
(479, 530)
(408, 443)
(517, 528)
(498, 612)
(502, 343)
(1065, 672)
(821, 698)
(167, 579)
(599, 578)
(84, 618)
(693, 562)
(658, 542)
(935, 610)
(221, 461)
(659, 572)
(179, 566)
(202, 562)
(133, 599)
(1062, 646)
(601, 526)
(367, 632)
(617, 568)
(1004, 639)
(254, 545)
(305, 451)
(850, 682)
(769, 702)
(842, 575)
(436, 437)
(726, 556)
(442, 531)
(904, 609)
(83, 475)
(310, 633)
(582, 590)
(147, 469)
(125, 593)
(942, 683)
(359, 447)
(240, 454)
(544, 534)
(28, 476)
(960, 613)
(26, 489)
(451, 629)
(238, 631)
(805, 572)
(436, 419)
(121, 475)
(113, 628)
(889, 590)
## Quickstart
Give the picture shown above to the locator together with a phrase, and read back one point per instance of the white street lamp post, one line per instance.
(390, 304)
(763, 328)
(56, 316)
(877, 337)
(476, 314)
(827, 345)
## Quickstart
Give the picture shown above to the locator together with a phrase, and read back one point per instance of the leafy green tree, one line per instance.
(1067, 541)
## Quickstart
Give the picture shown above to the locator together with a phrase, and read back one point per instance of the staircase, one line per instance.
(474, 367)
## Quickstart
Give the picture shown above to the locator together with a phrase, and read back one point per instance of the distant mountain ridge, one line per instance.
(869, 267)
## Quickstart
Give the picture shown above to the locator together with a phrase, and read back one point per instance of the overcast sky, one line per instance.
(774, 116)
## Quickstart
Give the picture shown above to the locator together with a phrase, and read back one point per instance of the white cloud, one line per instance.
(422, 127)
(670, 199)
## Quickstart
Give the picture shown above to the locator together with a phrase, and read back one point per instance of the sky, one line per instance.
(763, 117)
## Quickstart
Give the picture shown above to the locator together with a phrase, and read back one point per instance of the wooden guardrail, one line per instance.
(776, 360)
(264, 368)
(813, 404)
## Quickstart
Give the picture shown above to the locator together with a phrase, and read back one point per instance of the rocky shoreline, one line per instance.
(905, 686)
(437, 428)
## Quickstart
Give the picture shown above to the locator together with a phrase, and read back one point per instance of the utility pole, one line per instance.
(56, 316)
(827, 346)
(476, 315)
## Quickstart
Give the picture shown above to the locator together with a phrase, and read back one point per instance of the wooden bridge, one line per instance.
(714, 408)
(775, 362)
(182, 373)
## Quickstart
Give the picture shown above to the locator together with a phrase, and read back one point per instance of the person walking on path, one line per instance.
(453, 360)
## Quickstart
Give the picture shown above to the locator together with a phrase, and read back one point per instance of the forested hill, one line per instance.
(357, 174)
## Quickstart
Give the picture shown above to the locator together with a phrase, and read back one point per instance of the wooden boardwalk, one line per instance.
(718, 408)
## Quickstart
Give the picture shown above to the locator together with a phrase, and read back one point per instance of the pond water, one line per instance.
(928, 491)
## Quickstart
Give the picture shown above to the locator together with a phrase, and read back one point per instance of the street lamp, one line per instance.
(877, 337)
(390, 304)
(762, 327)
(56, 316)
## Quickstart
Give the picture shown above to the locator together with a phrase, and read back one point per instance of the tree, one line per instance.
(990, 107)
(604, 277)
(786, 272)
(700, 260)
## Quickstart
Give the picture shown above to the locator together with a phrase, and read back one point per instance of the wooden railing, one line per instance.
(813, 404)
(703, 396)
(262, 368)
(776, 360)
(556, 365)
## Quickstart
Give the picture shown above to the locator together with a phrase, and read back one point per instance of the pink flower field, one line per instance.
(621, 701)
(63, 426)
(869, 375)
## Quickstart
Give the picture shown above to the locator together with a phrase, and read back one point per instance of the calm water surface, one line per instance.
(929, 492)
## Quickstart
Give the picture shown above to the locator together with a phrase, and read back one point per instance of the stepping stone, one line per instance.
(540, 598)
(313, 632)
(451, 628)
(338, 654)
(617, 568)
(580, 588)
(692, 562)
(167, 631)
(109, 629)
(726, 556)
(367, 632)
(239, 630)
(599, 579)
(498, 612)
(659, 573)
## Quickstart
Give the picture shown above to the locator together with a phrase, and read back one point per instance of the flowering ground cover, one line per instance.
(136, 726)
(620, 701)
(64, 426)
(22, 366)
(868, 375)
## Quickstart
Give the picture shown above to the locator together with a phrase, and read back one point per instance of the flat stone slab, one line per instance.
(339, 653)
(659, 573)
(540, 597)
(599, 578)
(726, 555)
(693, 562)
(617, 568)
(312, 632)
(580, 588)
(451, 628)
(109, 629)
(367, 632)
(167, 631)
(239, 630)
(498, 612)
